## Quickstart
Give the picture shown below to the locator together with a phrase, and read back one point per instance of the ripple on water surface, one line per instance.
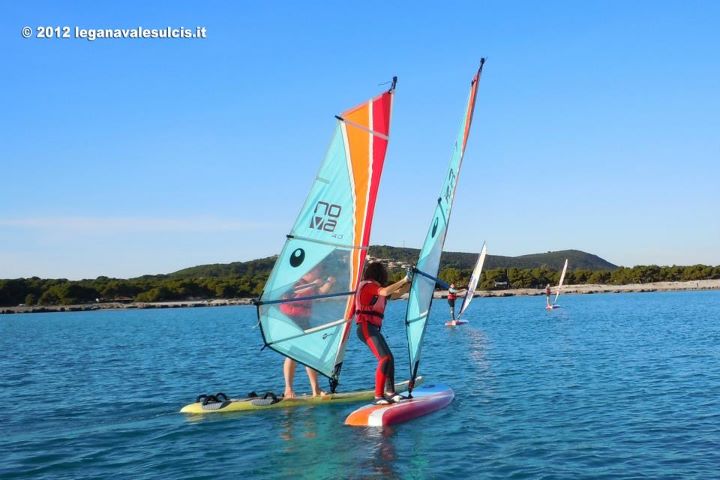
(608, 386)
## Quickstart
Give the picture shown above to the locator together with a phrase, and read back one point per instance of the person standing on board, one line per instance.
(548, 292)
(452, 296)
(370, 301)
(309, 284)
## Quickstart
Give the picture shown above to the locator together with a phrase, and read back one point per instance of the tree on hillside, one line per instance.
(451, 275)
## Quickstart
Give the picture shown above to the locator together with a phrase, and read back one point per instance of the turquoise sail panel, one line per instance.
(422, 288)
(421, 291)
(302, 309)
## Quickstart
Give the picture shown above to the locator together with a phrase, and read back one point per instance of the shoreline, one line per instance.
(511, 292)
(218, 302)
(586, 289)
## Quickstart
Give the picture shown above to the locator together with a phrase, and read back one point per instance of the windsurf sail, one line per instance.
(560, 284)
(305, 308)
(423, 283)
(474, 279)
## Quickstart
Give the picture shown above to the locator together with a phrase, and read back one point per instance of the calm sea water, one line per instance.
(609, 386)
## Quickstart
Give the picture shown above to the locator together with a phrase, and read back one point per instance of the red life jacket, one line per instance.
(301, 308)
(296, 309)
(451, 295)
(371, 312)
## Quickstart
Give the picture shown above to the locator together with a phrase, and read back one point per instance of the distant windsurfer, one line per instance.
(370, 304)
(452, 296)
(548, 292)
(309, 284)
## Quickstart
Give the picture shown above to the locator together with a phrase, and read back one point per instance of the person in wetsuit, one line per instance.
(370, 302)
(310, 284)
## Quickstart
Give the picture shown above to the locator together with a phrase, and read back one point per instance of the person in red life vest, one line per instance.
(370, 302)
(452, 296)
(548, 292)
(310, 284)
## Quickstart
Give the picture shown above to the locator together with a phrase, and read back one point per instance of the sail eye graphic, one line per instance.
(297, 257)
(434, 230)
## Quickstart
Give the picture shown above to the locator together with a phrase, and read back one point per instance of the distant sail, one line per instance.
(305, 309)
(421, 291)
(562, 279)
(474, 279)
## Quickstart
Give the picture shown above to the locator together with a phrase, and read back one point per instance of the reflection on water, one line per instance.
(478, 348)
(381, 451)
(310, 444)
(298, 424)
(315, 444)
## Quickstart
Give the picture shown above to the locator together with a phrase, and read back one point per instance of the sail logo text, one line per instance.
(450, 186)
(325, 216)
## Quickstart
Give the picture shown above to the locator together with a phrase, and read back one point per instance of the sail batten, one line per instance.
(369, 130)
(341, 245)
(304, 299)
(423, 286)
(315, 329)
(307, 302)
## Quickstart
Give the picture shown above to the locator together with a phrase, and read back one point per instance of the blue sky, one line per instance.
(596, 128)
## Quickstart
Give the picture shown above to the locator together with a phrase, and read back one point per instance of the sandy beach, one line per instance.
(567, 290)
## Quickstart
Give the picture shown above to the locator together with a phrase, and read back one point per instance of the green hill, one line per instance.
(247, 279)
(460, 260)
(227, 270)
(577, 260)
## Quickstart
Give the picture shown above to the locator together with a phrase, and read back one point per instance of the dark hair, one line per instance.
(376, 271)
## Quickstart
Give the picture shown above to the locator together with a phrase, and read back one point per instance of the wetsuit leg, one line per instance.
(385, 373)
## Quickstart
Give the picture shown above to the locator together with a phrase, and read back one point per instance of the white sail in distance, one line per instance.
(474, 279)
(562, 279)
